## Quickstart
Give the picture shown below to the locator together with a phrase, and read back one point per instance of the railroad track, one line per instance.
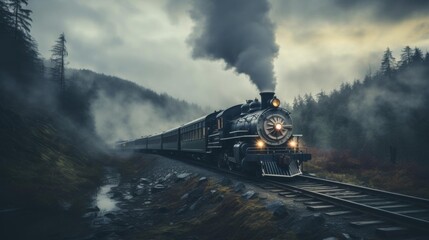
(398, 214)
(392, 214)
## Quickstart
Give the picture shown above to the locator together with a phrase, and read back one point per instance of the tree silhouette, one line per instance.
(417, 56)
(19, 57)
(21, 17)
(5, 16)
(59, 53)
(406, 56)
(387, 63)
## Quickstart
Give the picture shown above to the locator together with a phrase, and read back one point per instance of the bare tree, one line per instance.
(59, 53)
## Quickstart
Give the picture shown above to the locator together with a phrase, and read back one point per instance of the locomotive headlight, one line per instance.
(275, 102)
(279, 126)
(260, 144)
(293, 144)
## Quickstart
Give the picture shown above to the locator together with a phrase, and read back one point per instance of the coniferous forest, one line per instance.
(385, 116)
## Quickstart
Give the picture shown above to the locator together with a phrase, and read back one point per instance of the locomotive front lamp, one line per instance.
(293, 144)
(275, 102)
(260, 144)
(279, 126)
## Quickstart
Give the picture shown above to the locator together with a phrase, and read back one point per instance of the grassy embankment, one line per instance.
(42, 165)
(404, 177)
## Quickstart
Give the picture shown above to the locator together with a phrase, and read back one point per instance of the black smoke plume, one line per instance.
(240, 33)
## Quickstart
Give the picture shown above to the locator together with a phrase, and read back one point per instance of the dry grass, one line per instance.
(41, 165)
(407, 178)
(231, 218)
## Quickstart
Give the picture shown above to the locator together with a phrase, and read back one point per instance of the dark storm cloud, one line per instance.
(346, 10)
(388, 9)
(238, 32)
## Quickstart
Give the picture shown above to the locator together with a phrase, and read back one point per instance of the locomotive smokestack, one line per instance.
(265, 99)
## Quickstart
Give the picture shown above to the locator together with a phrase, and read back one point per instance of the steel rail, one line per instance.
(400, 196)
(411, 222)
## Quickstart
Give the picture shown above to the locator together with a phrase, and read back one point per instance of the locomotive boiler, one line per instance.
(254, 137)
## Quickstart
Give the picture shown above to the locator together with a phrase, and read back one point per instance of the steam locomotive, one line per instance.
(254, 137)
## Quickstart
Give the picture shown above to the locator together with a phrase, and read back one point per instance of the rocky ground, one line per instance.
(154, 197)
(161, 198)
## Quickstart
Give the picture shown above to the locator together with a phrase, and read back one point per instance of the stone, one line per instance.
(93, 209)
(249, 195)
(239, 187)
(278, 209)
(202, 179)
(110, 215)
(138, 192)
(346, 236)
(117, 194)
(182, 176)
(90, 215)
(262, 196)
(184, 196)
(144, 181)
(197, 204)
(158, 188)
(101, 221)
(168, 176)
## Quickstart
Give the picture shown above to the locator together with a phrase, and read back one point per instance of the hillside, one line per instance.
(382, 117)
(122, 109)
(43, 164)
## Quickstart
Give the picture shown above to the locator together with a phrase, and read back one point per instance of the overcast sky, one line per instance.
(321, 43)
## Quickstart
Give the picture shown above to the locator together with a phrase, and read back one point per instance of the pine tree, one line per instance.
(5, 16)
(406, 56)
(59, 53)
(388, 63)
(417, 56)
(20, 57)
(21, 17)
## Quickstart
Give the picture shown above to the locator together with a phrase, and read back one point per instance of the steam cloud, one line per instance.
(240, 33)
